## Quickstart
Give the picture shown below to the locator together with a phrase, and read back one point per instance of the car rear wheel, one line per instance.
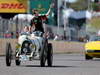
(50, 55)
(42, 58)
(43, 53)
(8, 54)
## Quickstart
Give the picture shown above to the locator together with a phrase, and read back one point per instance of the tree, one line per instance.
(95, 22)
(79, 5)
(96, 6)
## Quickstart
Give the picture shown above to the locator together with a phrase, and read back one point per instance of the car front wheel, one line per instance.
(87, 57)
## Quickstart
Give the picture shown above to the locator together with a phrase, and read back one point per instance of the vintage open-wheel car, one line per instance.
(30, 47)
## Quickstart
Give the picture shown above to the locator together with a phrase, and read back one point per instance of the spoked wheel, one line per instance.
(50, 55)
(43, 55)
(17, 61)
(8, 54)
(42, 58)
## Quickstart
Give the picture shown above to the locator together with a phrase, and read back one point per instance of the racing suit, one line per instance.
(38, 21)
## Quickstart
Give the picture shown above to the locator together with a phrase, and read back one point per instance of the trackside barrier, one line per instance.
(58, 46)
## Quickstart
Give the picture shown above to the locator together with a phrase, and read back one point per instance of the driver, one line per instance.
(37, 25)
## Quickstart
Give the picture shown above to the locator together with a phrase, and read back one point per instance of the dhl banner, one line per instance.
(13, 6)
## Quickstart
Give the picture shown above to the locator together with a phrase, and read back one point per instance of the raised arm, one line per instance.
(49, 11)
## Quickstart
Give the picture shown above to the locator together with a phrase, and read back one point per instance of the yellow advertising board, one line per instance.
(13, 6)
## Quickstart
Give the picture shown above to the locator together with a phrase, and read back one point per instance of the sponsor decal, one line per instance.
(12, 6)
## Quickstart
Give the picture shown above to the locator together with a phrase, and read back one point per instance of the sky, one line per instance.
(71, 0)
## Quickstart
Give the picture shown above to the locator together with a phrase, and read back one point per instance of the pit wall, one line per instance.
(58, 46)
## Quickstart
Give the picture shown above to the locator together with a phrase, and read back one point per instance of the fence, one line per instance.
(11, 26)
(58, 46)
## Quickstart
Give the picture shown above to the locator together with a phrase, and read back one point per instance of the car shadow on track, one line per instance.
(54, 66)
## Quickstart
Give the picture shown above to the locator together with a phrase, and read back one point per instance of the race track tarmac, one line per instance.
(63, 64)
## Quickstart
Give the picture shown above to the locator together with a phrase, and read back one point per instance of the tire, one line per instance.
(50, 55)
(8, 54)
(42, 59)
(43, 55)
(87, 57)
(17, 62)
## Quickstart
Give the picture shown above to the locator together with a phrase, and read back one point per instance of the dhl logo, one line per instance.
(12, 6)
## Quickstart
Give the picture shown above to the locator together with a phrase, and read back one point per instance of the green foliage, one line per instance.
(79, 5)
(95, 22)
(95, 6)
